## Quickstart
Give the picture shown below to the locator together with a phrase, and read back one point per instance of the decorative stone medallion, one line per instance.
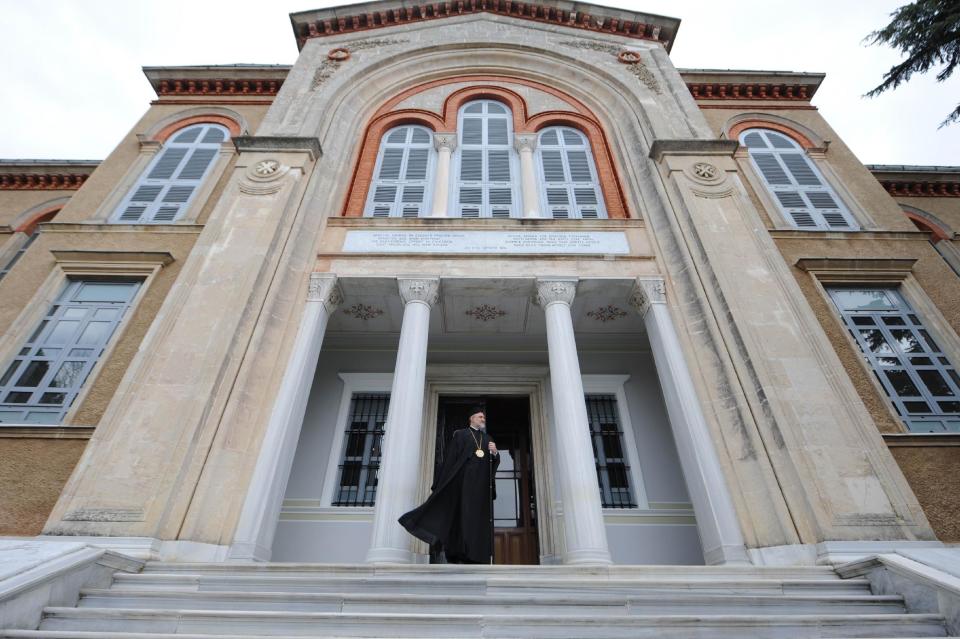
(266, 168)
(486, 312)
(628, 57)
(607, 313)
(363, 312)
(262, 178)
(705, 173)
(339, 54)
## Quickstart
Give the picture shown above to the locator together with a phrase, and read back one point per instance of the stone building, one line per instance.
(704, 332)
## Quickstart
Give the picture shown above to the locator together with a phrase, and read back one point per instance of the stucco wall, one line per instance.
(932, 473)
(14, 203)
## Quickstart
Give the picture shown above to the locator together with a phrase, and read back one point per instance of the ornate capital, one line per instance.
(647, 291)
(419, 289)
(323, 288)
(446, 141)
(556, 290)
(525, 142)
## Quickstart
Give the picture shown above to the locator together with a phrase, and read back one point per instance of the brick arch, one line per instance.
(734, 132)
(43, 215)
(370, 146)
(602, 157)
(518, 106)
(232, 125)
(924, 224)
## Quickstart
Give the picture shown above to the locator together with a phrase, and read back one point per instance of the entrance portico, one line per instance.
(487, 335)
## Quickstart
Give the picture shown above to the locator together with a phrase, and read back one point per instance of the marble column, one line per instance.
(526, 144)
(399, 474)
(253, 538)
(720, 534)
(585, 537)
(445, 143)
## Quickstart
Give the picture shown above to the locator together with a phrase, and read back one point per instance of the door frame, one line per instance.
(493, 379)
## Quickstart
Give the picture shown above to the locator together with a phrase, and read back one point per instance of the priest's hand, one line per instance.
(492, 448)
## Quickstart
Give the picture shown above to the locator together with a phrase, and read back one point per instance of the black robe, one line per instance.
(457, 512)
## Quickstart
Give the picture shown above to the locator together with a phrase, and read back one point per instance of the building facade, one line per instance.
(703, 331)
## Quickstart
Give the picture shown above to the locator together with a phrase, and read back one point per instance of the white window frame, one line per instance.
(817, 219)
(151, 211)
(614, 385)
(396, 209)
(485, 209)
(352, 383)
(568, 185)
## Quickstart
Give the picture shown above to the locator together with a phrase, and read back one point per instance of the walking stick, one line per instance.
(490, 487)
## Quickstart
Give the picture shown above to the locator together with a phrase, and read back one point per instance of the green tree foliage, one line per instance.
(928, 33)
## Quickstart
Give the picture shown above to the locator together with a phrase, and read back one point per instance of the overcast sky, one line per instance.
(72, 84)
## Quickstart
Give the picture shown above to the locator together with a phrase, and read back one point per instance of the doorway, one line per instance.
(515, 513)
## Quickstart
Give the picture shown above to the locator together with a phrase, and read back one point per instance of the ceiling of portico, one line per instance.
(485, 306)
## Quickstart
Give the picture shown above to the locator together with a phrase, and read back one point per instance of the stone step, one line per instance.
(477, 585)
(306, 624)
(594, 603)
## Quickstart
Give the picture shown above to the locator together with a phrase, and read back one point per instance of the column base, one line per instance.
(732, 555)
(590, 557)
(390, 556)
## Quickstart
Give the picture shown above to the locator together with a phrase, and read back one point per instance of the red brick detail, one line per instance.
(42, 181)
(581, 118)
(434, 10)
(214, 86)
(44, 215)
(363, 169)
(796, 136)
(915, 188)
(723, 91)
(925, 225)
(232, 125)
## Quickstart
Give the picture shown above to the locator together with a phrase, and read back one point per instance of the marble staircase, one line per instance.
(214, 601)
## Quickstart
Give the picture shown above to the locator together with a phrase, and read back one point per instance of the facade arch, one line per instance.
(234, 122)
(806, 138)
(28, 220)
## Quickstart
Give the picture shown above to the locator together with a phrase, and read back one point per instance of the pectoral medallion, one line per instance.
(479, 453)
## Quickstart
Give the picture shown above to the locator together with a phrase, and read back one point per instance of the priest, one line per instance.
(456, 515)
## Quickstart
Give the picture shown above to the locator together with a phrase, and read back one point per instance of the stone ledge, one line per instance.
(147, 257)
(692, 147)
(260, 143)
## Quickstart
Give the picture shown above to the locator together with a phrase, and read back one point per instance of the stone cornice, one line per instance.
(692, 147)
(254, 143)
(226, 80)
(44, 175)
(577, 15)
(918, 188)
(706, 84)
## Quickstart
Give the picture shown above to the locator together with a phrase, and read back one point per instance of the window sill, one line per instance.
(921, 440)
(795, 234)
(458, 222)
(110, 227)
(39, 431)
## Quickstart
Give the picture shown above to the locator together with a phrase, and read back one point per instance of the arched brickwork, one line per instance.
(738, 128)
(232, 125)
(578, 117)
(43, 215)
(924, 224)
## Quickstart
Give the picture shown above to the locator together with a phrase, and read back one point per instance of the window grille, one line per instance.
(609, 452)
(170, 182)
(568, 175)
(360, 461)
(49, 370)
(795, 183)
(486, 162)
(404, 174)
(905, 358)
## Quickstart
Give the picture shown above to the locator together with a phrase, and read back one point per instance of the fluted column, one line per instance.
(445, 143)
(584, 533)
(397, 481)
(253, 538)
(720, 534)
(526, 144)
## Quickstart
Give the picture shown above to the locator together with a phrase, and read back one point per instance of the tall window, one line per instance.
(609, 452)
(801, 192)
(172, 179)
(568, 176)
(912, 369)
(486, 162)
(360, 462)
(46, 375)
(404, 174)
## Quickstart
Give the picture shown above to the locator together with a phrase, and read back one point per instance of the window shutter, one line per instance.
(570, 185)
(790, 176)
(173, 178)
(403, 173)
(485, 162)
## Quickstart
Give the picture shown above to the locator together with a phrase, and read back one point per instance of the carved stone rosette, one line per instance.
(551, 291)
(323, 287)
(419, 289)
(647, 291)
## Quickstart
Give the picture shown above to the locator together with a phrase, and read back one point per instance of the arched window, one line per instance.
(171, 181)
(486, 162)
(796, 184)
(568, 177)
(404, 174)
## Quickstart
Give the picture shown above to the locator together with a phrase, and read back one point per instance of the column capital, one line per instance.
(550, 290)
(525, 142)
(647, 291)
(419, 289)
(446, 141)
(323, 287)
